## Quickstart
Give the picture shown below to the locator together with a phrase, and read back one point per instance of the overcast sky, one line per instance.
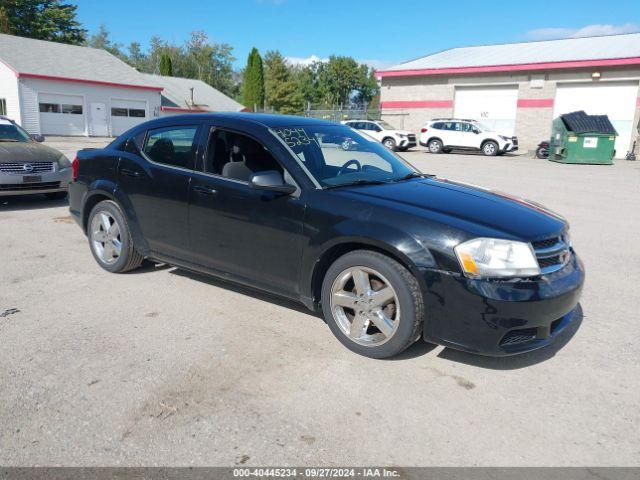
(378, 32)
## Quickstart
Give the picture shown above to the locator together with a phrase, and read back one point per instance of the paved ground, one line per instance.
(163, 367)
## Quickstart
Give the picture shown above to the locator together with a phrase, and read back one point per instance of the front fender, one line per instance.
(360, 234)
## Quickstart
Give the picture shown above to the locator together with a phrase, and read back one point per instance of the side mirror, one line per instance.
(476, 131)
(36, 137)
(270, 180)
(132, 146)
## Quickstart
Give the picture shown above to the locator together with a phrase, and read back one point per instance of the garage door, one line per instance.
(615, 99)
(126, 114)
(61, 114)
(495, 107)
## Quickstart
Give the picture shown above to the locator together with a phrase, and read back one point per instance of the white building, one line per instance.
(520, 88)
(57, 89)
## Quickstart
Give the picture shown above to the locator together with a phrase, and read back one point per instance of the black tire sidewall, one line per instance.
(393, 143)
(405, 335)
(125, 237)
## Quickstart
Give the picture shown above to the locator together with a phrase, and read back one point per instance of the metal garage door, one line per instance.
(615, 99)
(495, 107)
(126, 114)
(61, 114)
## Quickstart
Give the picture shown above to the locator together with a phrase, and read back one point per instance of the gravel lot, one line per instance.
(165, 367)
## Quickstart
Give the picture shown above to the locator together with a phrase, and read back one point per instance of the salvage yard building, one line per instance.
(520, 88)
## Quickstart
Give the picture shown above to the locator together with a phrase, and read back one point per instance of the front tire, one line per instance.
(435, 146)
(390, 143)
(490, 148)
(372, 304)
(110, 239)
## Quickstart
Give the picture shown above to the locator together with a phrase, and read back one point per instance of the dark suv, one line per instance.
(315, 212)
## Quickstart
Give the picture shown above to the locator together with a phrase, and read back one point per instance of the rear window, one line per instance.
(174, 146)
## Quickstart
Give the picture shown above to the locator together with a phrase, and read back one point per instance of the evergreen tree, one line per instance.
(166, 67)
(282, 91)
(253, 83)
(42, 19)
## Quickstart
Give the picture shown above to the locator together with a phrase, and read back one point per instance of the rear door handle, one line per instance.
(130, 173)
(205, 190)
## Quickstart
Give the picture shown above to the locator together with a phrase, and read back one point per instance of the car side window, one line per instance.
(375, 127)
(174, 146)
(467, 127)
(237, 156)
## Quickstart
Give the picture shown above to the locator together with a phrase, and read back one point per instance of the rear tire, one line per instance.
(110, 239)
(56, 195)
(378, 297)
(435, 146)
(490, 148)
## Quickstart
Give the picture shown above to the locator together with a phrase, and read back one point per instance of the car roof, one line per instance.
(453, 119)
(265, 119)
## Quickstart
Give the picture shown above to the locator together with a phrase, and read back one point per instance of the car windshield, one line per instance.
(385, 125)
(10, 132)
(337, 155)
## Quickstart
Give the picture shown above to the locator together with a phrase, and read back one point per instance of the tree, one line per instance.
(42, 19)
(281, 89)
(166, 68)
(337, 79)
(253, 83)
(101, 40)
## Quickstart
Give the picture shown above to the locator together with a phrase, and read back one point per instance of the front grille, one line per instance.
(516, 337)
(14, 187)
(515, 141)
(552, 253)
(18, 168)
(412, 138)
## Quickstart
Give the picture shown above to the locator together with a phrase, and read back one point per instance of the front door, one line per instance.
(98, 126)
(252, 234)
(155, 179)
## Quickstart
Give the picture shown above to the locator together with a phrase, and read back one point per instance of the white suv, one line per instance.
(383, 132)
(445, 134)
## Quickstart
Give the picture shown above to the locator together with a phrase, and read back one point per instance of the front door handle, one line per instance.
(130, 173)
(205, 190)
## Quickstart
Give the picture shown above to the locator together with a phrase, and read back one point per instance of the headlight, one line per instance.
(63, 162)
(402, 135)
(506, 139)
(492, 257)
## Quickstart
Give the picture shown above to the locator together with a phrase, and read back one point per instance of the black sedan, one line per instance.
(318, 213)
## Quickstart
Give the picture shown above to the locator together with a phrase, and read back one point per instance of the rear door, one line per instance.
(156, 181)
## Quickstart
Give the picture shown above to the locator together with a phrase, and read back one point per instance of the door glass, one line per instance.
(236, 156)
(173, 146)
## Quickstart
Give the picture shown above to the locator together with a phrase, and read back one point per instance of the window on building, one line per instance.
(172, 146)
(72, 109)
(3, 106)
(119, 112)
(137, 112)
(50, 108)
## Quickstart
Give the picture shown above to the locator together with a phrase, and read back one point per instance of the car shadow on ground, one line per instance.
(522, 360)
(29, 202)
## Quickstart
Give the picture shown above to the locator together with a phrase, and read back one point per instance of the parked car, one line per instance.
(442, 135)
(387, 253)
(386, 134)
(26, 167)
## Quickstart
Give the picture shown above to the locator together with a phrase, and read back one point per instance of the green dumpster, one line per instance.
(580, 138)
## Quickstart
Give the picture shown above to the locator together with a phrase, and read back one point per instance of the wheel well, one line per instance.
(91, 202)
(488, 140)
(335, 252)
(435, 138)
(388, 138)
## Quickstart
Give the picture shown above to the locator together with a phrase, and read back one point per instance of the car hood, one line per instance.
(476, 210)
(27, 152)
(400, 132)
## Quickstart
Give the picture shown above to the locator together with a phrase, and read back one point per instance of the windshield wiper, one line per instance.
(411, 175)
(360, 181)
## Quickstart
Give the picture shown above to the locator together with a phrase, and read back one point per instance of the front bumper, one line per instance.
(408, 142)
(58, 181)
(498, 317)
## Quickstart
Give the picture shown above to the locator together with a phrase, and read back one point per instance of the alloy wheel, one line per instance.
(389, 143)
(105, 237)
(365, 306)
(489, 148)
